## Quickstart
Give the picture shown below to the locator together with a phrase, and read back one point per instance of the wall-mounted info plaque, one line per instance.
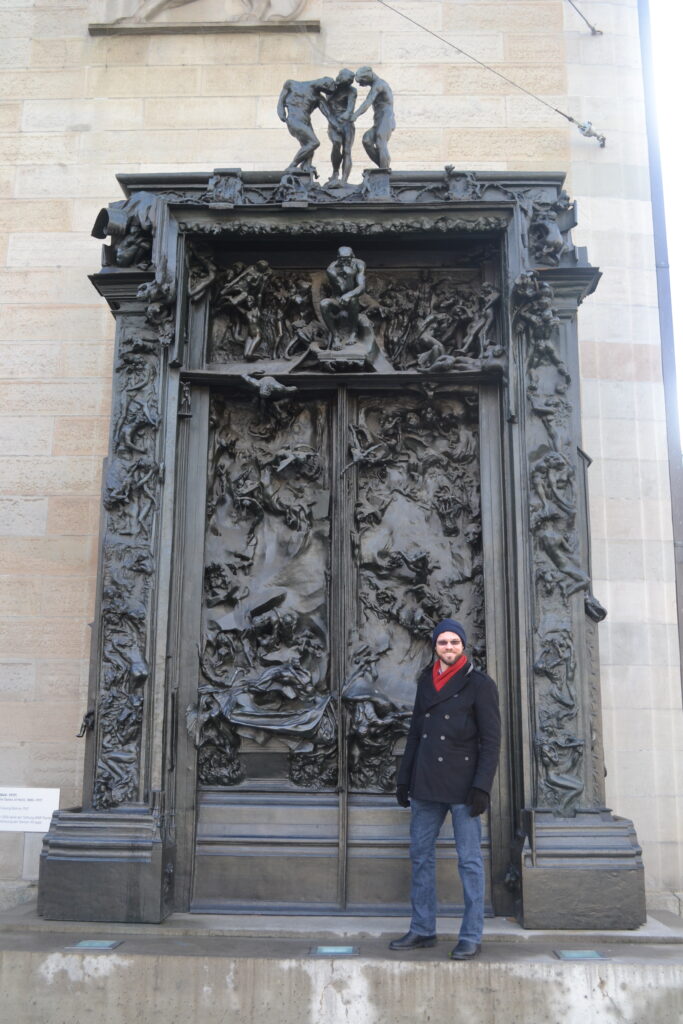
(27, 810)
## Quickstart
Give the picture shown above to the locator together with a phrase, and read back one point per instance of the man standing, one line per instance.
(449, 764)
(381, 99)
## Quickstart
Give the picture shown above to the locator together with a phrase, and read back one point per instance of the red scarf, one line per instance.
(440, 678)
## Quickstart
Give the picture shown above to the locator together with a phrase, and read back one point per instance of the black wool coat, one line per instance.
(454, 737)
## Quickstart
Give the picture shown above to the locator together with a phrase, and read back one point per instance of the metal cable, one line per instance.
(585, 128)
(594, 31)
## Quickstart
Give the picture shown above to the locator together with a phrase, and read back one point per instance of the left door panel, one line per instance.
(265, 720)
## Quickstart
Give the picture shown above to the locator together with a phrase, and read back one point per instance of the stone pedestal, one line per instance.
(581, 872)
(105, 867)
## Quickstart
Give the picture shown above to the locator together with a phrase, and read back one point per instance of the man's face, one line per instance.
(448, 648)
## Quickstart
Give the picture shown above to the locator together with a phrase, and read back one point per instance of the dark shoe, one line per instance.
(411, 940)
(465, 950)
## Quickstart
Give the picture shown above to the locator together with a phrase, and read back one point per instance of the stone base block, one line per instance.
(104, 867)
(581, 872)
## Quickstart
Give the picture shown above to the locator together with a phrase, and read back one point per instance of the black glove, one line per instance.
(402, 798)
(477, 801)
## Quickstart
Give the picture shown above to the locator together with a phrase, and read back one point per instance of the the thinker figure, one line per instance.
(341, 312)
(381, 99)
(297, 102)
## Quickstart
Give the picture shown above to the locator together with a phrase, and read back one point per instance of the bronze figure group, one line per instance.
(336, 99)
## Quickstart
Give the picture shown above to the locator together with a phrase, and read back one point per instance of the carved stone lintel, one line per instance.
(247, 16)
(395, 226)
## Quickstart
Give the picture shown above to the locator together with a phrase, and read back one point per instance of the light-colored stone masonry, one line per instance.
(625, 431)
(75, 110)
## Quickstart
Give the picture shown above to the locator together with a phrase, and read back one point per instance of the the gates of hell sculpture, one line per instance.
(339, 416)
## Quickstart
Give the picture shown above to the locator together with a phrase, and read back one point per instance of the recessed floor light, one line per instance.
(96, 944)
(333, 951)
(579, 954)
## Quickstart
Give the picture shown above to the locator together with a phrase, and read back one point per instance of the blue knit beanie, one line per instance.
(449, 626)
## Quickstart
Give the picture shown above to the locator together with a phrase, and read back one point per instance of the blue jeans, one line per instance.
(427, 817)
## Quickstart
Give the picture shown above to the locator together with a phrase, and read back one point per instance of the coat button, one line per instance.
(439, 759)
(446, 716)
(443, 737)
(467, 758)
(424, 735)
(428, 715)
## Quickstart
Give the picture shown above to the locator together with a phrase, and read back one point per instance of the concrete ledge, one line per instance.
(120, 988)
(247, 969)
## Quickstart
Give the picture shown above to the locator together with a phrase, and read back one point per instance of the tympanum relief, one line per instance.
(348, 318)
(150, 16)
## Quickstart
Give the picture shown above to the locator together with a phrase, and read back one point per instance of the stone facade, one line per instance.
(77, 109)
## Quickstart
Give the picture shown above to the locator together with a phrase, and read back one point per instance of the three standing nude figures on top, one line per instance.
(336, 99)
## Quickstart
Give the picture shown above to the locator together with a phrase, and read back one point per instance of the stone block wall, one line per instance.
(624, 425)
(76, 109)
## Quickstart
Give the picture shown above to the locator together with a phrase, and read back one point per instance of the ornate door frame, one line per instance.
(137, 798)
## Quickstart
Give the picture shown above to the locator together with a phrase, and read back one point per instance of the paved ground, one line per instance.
(660, 940)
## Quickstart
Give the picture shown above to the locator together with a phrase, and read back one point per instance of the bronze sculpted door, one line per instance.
(341, 522)
(340, 411)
